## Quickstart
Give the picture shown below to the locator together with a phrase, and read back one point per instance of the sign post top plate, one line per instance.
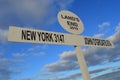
(70, 22)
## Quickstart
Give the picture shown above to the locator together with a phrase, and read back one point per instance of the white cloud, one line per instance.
(118, 27)
(116, 37)
(9, 67)
(98, 75)
(19, 55)
(5, 62)
(34, 48)
(23, 55)
(70, 55)
(63, 3)
(98, 35)
(104, 27)
(113, 75)
(104, 24)
(74, 76)
(30, 12)
(39, 54)
(67, 61)
(38, 47)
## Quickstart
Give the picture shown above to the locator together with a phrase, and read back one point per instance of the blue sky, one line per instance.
(28, 61)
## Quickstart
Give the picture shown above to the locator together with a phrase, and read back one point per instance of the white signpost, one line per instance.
(70, 22)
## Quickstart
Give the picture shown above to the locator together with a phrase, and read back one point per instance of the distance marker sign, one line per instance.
(18, 34)
(70, 22)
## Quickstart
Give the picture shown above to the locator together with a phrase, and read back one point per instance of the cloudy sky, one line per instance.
(28, 61)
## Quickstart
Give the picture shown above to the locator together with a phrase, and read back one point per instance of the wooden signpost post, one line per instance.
(70, 22)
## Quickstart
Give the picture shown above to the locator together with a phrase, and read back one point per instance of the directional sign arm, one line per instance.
(97, 42)
(17, 34)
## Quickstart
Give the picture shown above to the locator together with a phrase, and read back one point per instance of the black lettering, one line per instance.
(77, 20)
(102, 42)
(28, 35)
(24, 35)
(47, 36)
(56, 38)
(88, 41)
(72, 25)
(62, 38)
(50, 37)
(39, 36)
(43, 36)
(93, 40)
(33, 35)
(70, 18)
(59, 38)
(96, 41)
(62, 16)
(68, 22)
(108, 43)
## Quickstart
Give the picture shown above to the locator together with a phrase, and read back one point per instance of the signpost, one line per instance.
(70, 22)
